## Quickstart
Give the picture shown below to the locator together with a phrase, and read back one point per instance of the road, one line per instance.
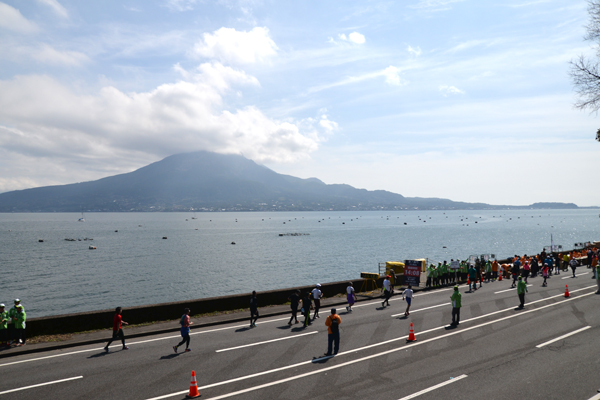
(496, 352)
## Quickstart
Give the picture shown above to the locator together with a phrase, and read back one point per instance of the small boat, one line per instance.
(92, 247)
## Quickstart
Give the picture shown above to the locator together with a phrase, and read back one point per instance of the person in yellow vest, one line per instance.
(20, 325)
(3, 326)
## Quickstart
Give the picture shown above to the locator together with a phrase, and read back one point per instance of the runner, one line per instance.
(117, 329)
(317, 295)
(387, 291)
(185, 329)
(545, 274)
(294, 302)
(350, 296)
(253, 310)
(408, 293)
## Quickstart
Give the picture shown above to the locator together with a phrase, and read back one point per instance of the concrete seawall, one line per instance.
(87, 321)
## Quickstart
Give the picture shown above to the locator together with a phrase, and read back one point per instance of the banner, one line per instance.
(454, 264)
(412, 272)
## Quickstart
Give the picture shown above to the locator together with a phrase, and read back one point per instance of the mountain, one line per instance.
(209, 181)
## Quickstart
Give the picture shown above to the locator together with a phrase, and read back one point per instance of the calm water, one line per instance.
(135, 266)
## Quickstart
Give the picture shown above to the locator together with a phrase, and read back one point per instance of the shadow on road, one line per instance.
(170, 356)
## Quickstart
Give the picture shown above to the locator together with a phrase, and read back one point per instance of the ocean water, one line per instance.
(133, 265)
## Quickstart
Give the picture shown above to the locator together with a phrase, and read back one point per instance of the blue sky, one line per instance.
(462, 99)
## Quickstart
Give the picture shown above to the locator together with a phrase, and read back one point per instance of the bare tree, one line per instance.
(585, 72)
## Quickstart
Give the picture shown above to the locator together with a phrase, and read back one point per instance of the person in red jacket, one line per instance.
(117, 329)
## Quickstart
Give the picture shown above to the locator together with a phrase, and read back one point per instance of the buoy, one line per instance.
(164, 237)
(193, 387)
(232, 242)
(411, 335)
(567, 291)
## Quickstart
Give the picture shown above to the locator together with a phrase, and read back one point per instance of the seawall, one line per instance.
(103, 319)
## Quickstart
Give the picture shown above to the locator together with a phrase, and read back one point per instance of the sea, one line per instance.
(149, 258)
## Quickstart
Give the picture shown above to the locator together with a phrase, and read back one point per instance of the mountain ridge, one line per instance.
(206, 181)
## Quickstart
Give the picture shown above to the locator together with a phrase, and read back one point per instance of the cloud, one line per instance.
(391, 75)
(237, 47)
(434, 5)
(414, 51)
(49, 55)
(354, 37)
(180, 5)
(56, 7)
(450, 90)
(327, 124)
(13, 20)
(43, 118)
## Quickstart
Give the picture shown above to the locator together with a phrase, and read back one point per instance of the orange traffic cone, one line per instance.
(411, 335)
(567, 291)
(468, 281)
(193, 387)
(500, 277)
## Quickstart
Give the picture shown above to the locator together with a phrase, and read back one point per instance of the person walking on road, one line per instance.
(294, 303)
(333, 332)
(408, 293)
(573, 265)
(516, 270)
(117, 329)
(317, 295)
(456, 304)
(306, 303)
(472, 278)
(521, 289)
(350, 296)
(387, 291)
(526, 270)
(185, 330)
(253, 309)
(545, 274)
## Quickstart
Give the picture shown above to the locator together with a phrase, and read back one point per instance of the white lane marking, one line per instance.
(452, 380)
(596, 397)
(508, 290)
(397, 298)
(402, 348)
(562, 337)
(571, 277)
(40, 384)
(426, 308)
(241, 326)
(266, 341)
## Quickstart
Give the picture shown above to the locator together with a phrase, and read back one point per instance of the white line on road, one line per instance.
(353, 351)
(596, 397)
(266, 341)
(571, 277)
(508, 290)
(452, 380)
(562, 337)
(40, 384)
(423, 309)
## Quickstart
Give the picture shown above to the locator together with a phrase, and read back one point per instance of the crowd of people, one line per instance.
(520, 269)
(12, 325)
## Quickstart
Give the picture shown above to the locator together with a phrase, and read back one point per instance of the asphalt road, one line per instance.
(496, 352)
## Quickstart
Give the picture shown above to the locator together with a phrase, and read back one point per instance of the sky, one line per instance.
(468, 100)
